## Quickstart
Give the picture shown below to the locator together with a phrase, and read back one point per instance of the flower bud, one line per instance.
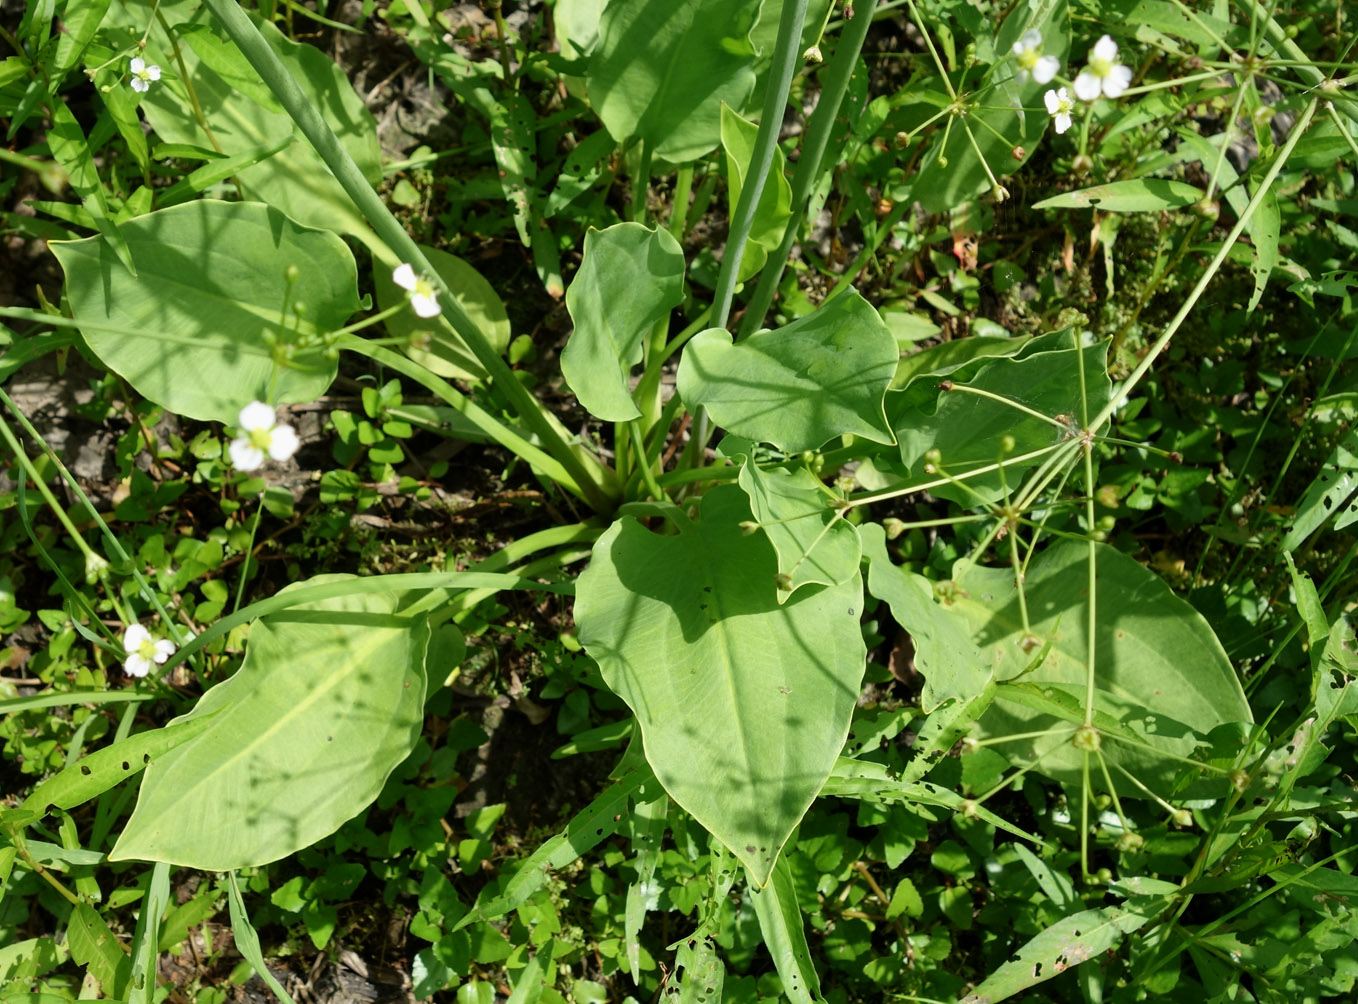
(1182, 817)
(1087, 739)
(999, 193)
(1008, 444)
(813, 55)
(1082, 164)
(1207, 209)
(747, 527)
(1131, 843)
(784, 582)
(893, 527)
(96, 568)
(1018, 153)
(292, 273)
(934, 457)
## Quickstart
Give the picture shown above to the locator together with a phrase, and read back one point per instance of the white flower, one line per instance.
(1059, 105)
(143, 651)
(423, 296)
(1104, 73)
(1028, 51)
(260, 434)
(142, 75)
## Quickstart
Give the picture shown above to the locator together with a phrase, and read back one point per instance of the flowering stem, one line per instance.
(31, 472)
(381, 315)
(249, 554)
(111, 541)
(188, 82)
(761, 159)
(928, 40)
(1126, 387)
(819, 129)
(588, 476)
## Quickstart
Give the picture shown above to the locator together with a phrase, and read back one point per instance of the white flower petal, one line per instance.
(283, 443)
(164, 649)
(137, 65)
(1105, 48)
(1087, 86)
(136, 665)
(1046, 69)
(1020, 76)
(1117, 80)
(425, 306)
(404, 276)
(1031, 39)
(1062, 122)
(153, 72)
(135, 637)
(245, 455)
(140, 86)
(255, 416)
(1052, 101)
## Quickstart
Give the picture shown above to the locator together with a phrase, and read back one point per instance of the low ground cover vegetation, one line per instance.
(697, 500)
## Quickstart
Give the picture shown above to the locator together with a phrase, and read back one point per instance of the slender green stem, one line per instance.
(785, 58)
(812, 161)
(1125, 389)
(249, 555)
(589, 477)
(113, 544)
(647, 474)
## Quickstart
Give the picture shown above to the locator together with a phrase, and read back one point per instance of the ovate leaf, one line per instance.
(813, 543)
(630, 280)
(190, 330)
(822, 376)
(743, 703)
(775, 201)
(968, 430)
(330, 699)
(1161, 676)
(661, 70)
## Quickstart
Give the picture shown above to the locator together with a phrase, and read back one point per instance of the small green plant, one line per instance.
(1102, 768)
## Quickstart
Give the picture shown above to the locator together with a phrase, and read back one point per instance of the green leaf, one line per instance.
(775, 201)
(247, 940)
(1265, 230)
(294, 180)
(948, 357)
(743, 704)
(822, 376)
(814, 543)
(1333, 493)
(1161, 674)
(780, 922)
(1312, 615)
(447, 354)
(1140, 195)
(701, 972)
(95, 774)
(968, 430)
(188, 332)
(1067, 943)
(330, 699)
(629, 281)
(71, 150)
(93, 945)
(660, 72)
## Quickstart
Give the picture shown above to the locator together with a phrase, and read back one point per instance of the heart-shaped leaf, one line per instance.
(629, 281)
(1161, 675)
(822, 376)
(191, 330)
(743, 704)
